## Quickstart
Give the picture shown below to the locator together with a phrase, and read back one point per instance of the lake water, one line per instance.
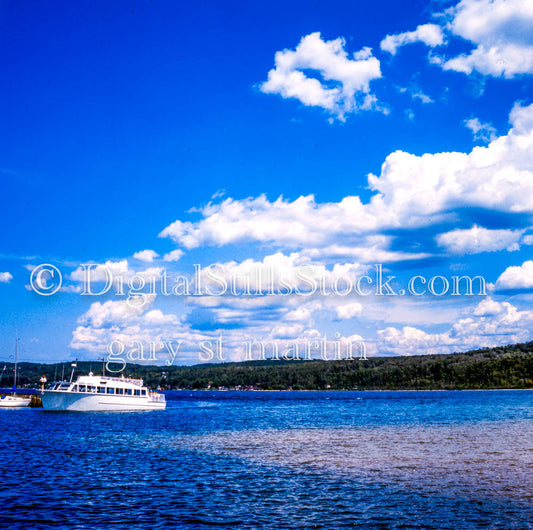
(275, 460)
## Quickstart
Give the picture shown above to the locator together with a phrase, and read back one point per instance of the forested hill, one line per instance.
(502, 367)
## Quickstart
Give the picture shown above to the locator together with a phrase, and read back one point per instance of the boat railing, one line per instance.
(138, 382)
(106, 379)
(157, 397)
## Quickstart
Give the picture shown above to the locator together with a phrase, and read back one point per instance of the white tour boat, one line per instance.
(101, 393)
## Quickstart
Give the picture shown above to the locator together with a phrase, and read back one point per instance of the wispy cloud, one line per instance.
(416, 93)
(483, 132)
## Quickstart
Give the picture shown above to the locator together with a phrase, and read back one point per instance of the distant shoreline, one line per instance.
(501, 368)
(530, 389)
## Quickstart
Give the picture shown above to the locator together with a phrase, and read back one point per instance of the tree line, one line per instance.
(502, 367)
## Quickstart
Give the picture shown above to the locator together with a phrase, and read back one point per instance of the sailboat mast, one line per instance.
(16, 358)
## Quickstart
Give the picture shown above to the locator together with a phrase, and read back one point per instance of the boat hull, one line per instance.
(57, 400)
(14, 402)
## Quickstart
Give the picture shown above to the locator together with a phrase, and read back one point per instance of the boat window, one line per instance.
(144, 392)
(82, 388)
(120, 391)
(137, 392)
(127, 391)
(110, 390)
(91, 389)
(101, 390)
(74, 388)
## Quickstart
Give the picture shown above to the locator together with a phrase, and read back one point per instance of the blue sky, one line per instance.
(206, 127)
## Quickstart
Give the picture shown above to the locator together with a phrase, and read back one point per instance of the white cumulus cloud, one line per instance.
(113, 312)
(489, 324)
(410, 192)
(429, 34)
(175, 255)
(5, 277)
(502, 33)
(348, 311)
(476, 239)
(146, 255)
(343, 86)
(516, 277)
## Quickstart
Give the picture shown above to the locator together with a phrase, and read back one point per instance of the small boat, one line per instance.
(101, 393)
(13, 401)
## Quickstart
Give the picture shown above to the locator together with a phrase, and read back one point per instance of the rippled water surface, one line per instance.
(275, 460)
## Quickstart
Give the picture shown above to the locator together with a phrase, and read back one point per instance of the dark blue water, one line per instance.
(275, 460)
